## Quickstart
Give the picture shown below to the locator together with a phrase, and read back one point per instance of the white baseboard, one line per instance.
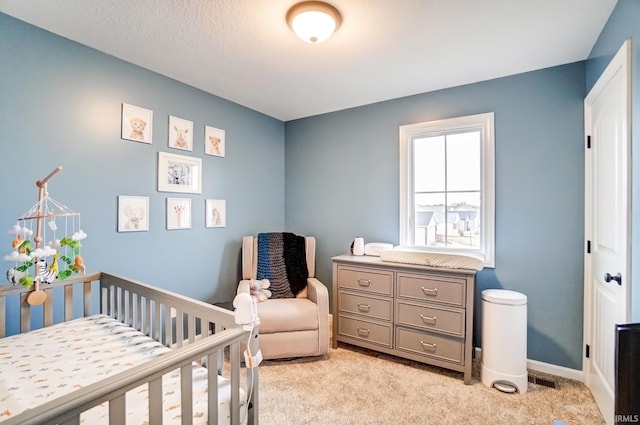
(551, 369)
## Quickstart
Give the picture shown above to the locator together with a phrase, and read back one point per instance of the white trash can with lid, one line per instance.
(504, 340)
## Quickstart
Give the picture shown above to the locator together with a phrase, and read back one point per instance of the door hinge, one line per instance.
(588, 142)
(587, 350)
(588, 247)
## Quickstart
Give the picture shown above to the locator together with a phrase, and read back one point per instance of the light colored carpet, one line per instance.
(356, 386)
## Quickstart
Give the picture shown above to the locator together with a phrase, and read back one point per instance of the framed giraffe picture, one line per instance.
(178, 213)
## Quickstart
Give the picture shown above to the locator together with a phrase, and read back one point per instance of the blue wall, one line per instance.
(61, 105)
(623, 25)
(342, 181)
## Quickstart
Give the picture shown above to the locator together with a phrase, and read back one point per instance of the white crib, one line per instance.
(200, 341)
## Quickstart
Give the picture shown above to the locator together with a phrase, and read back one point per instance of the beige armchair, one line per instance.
(291, 327)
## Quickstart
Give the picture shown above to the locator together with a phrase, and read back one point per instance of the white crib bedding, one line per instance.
(44, 364)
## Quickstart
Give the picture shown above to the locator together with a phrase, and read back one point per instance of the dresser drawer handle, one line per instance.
(430, 320)
(430, 292)
(427, 346)
(364, 308)
(363, 282)
(363, 332)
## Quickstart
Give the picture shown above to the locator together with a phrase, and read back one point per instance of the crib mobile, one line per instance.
(34, 253)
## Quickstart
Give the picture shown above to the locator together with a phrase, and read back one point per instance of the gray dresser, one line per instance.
(416, 312)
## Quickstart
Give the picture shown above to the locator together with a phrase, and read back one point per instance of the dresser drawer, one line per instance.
(431, 288)
(426, 344)
(368, 306)
(376, 333)
(445, 320)
(375, 281)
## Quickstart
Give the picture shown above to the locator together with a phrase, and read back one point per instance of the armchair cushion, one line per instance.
(282, 260)
(288, 315)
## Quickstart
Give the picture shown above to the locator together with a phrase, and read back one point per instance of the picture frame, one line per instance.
(137, 124)
(178, 213)
(180, 133)
(133, 213)
(179, 173)
(215, 213)
(214, 141)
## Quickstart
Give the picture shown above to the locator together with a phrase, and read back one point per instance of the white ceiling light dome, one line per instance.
(313, 21)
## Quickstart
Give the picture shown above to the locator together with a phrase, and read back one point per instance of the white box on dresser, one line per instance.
(415, 312)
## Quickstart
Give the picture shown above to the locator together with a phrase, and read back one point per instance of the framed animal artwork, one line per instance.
(133, 213)
(215, 213)
(137, 123)
(178, 213)
(214, 143)
(179, 173)
(180, 134)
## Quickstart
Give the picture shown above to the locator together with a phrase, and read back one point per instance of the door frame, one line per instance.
(622, 59)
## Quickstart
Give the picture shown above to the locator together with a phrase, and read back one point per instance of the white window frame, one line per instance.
(484, 123)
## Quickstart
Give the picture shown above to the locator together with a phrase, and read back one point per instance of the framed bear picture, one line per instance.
(137, 123)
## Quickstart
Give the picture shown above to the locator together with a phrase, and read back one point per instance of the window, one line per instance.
(447, 185)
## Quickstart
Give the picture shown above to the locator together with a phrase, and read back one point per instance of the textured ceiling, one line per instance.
(243, 50)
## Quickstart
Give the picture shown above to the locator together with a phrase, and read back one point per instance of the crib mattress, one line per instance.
(44, 364)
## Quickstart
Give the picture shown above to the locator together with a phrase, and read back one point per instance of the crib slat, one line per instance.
(68, 302)
(117, 410)
(48, 307)
(157, 323)
(131, 310)
(122, 313)
(25, 313)
(234, 354)
(139, 312)
(179, 328)
(168, 332)
(212, 382)
(104, 300)
(87, 299)
(147, 317)
(186, 395)
(155, 401)
(191, 328)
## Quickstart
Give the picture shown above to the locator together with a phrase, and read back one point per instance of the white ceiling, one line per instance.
(243, 50)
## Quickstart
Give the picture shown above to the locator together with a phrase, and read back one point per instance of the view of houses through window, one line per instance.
(447, 190)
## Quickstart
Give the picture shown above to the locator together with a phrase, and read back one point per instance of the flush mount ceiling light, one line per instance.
(313, 21)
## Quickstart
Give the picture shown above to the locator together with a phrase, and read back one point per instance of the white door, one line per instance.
(607, 271)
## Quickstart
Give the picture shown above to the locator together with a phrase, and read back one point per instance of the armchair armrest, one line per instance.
(319, 294)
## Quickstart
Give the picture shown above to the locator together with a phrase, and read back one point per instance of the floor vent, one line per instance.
(542, 381)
